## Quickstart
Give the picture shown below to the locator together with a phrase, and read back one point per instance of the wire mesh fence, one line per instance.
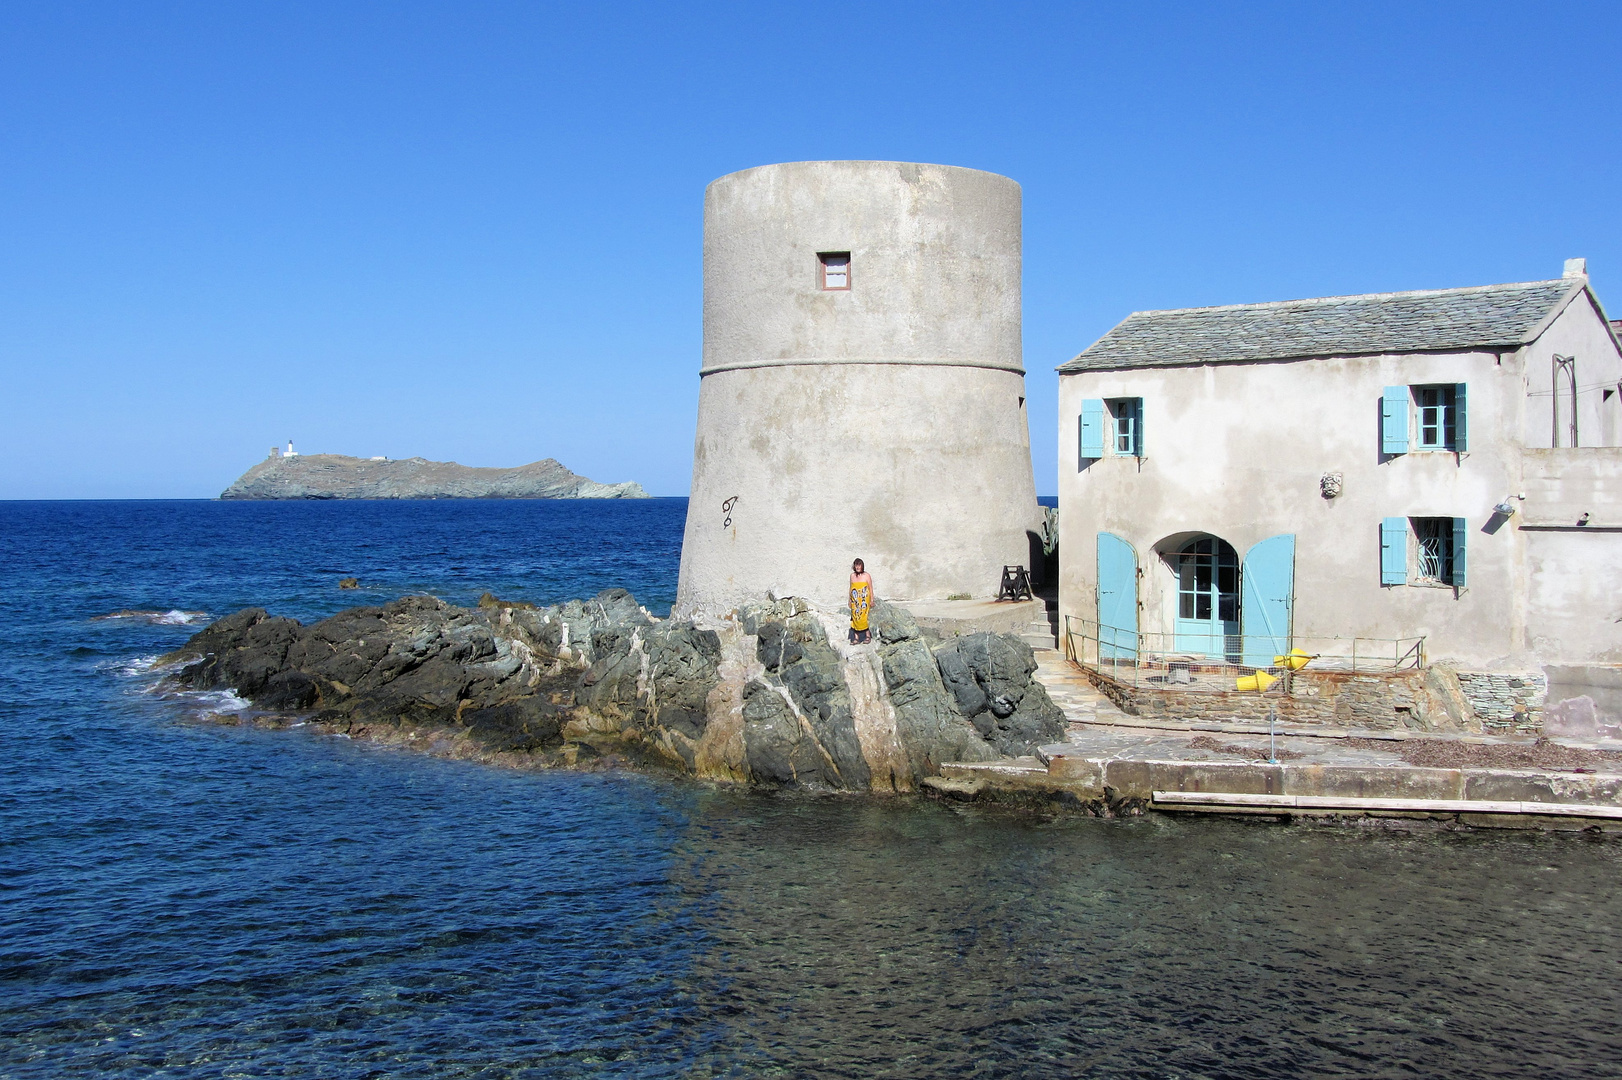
(1215, 662)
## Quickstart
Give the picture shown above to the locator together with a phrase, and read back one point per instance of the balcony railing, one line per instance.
(1182, 662)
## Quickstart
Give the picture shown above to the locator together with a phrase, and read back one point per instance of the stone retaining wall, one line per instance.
(1506, 703)
(1431, 699)
(1326, 698)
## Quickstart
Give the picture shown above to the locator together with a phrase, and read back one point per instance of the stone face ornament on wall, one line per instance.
(1330, 484)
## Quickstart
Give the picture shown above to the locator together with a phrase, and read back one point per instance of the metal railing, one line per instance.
(1196, 663)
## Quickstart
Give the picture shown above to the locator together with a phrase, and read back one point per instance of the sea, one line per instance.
(182, 895)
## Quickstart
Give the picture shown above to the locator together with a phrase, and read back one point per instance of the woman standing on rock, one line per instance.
(861, 602)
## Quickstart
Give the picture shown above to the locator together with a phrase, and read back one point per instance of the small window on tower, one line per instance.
(835, 266)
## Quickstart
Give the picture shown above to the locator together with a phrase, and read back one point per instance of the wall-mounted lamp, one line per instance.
(1507, 508)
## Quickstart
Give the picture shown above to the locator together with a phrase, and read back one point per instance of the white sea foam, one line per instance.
(217, 702)
(176, 617)
(130, 666)
(172, 617)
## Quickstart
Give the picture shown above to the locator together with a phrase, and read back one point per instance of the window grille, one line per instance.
(1434, 541)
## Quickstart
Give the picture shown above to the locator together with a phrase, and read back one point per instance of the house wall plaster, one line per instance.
(1237, 451)
(1579, 331)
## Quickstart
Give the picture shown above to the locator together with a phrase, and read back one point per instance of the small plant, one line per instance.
(958, 596)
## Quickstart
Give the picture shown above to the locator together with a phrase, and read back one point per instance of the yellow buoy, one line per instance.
(1295, 660)
(1259, 681)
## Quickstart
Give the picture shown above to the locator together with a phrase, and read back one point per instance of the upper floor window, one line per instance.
(1436, 409)
(834, 267)
(1110, 425)
(1126, 426)
(1422, 418)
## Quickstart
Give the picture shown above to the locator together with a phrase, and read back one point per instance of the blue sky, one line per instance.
(472, 231)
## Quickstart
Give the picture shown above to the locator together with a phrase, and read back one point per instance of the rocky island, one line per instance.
(771, 694)
(337, 476)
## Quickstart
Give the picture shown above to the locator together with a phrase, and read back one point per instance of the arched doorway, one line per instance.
(1207, 598)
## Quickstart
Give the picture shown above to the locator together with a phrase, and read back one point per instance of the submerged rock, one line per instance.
(771, 694)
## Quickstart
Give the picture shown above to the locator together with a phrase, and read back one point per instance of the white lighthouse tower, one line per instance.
(863, 392)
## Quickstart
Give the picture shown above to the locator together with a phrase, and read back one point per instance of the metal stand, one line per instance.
(1016, 584)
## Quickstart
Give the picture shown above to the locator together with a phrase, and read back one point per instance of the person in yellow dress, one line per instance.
(861, 603)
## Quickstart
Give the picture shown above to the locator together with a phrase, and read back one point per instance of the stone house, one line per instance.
(1436, 473)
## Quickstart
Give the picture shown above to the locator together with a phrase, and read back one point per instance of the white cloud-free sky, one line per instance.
(471, 231)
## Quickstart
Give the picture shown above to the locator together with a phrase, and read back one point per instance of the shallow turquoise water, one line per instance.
(189, 900)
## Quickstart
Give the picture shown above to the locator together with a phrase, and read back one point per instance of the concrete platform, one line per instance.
(953, 618)
(1112, 763)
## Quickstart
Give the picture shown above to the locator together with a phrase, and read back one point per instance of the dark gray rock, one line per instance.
(521, 725)
(777, 745)
(929, 726)
(682, 660)
(892, 623)
(968, 695)
(602, 679)
(992, 685)
(797, 655)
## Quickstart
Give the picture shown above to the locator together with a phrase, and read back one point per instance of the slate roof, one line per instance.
(1484, 317)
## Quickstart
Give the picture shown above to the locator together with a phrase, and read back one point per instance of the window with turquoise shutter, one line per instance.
(1433, 538)
(1125, 426)
(1394, 551)
(1439, 416)
(1091, 433)
(1394, 420)
(1460, 415)
(1461, 529)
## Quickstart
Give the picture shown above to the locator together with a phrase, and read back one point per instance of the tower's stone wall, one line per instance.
(886, 421)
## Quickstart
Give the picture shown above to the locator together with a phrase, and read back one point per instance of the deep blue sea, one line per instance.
(186, 899)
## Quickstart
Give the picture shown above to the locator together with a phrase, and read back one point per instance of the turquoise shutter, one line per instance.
(1117, 598)
(1461, 526)
(1266, 594)
(1137, 427)
(1394, 420)
(1394, 551)
(1092, 429)
(1459, 413)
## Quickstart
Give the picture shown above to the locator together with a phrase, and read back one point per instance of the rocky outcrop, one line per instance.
(772, 694)
(335, 476)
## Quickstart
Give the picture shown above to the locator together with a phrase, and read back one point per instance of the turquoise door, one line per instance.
(1207, 599)
(1117, 598)
(1269, 594)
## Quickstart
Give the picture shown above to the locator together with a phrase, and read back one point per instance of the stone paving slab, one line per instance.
(1107, 767)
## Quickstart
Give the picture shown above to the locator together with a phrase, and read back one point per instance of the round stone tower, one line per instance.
(862, 393)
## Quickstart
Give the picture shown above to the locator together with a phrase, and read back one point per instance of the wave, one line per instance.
(216, 702)
(172, 617)
(130, 667)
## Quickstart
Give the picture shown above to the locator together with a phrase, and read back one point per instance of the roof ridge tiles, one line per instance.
(1573, 282)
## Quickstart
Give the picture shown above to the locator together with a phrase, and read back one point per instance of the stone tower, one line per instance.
(862, 391)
